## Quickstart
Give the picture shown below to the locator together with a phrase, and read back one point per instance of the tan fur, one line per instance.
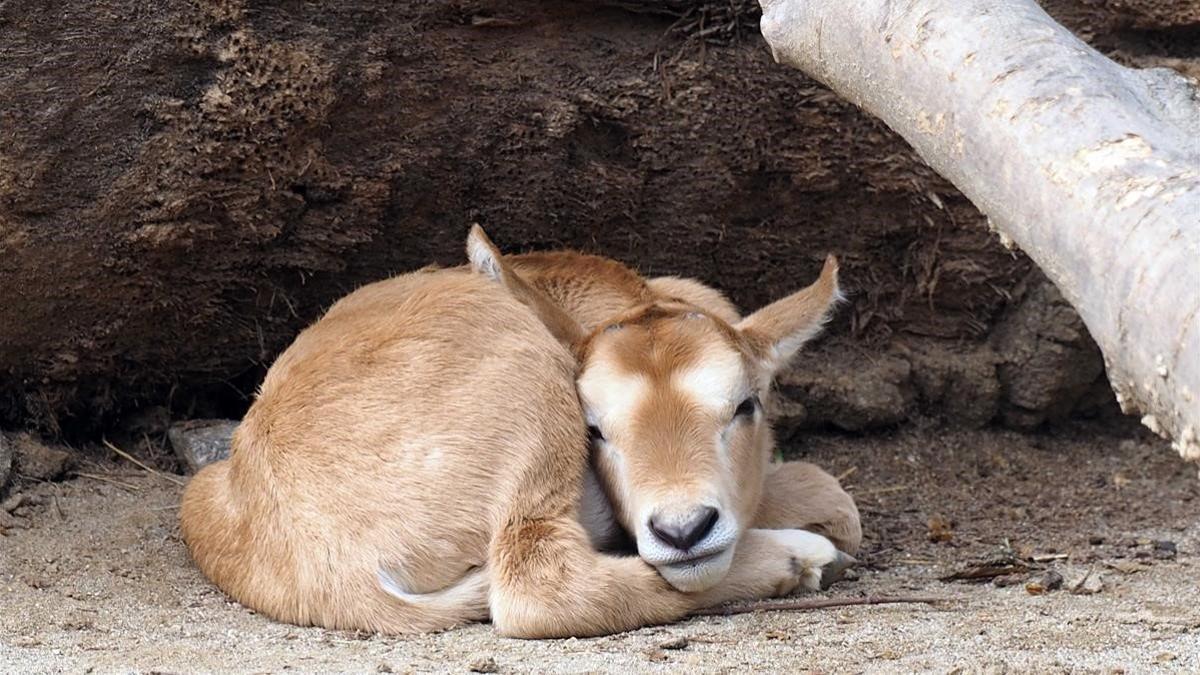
(598, 292)
(802, 495)
(653, 330)
(415, 461)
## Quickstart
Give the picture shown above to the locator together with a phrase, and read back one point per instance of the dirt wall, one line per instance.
(184, 185)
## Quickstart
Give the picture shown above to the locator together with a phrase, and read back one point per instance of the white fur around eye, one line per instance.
(716, 382)
(611, 397)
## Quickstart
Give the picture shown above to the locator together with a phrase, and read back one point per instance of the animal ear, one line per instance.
(486, 260)
(781, 328)
(483, 254)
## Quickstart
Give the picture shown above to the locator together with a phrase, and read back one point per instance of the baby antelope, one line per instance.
(673, 384)
(454, 445)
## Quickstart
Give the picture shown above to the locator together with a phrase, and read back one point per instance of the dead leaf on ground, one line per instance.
(941, 529)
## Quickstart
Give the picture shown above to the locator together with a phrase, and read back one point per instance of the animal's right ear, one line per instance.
(782, 327)
(486, 260)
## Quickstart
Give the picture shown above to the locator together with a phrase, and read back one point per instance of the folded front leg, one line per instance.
(799, 495)
(548, 582)
(774, 563)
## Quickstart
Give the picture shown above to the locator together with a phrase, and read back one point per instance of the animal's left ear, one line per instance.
(486, 260)
(781, 328)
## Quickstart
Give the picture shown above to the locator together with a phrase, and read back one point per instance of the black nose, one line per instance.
(684, 535)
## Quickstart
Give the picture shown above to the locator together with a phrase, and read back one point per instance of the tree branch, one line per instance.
(1092, 168)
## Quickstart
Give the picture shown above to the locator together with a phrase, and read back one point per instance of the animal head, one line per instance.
(674, 400)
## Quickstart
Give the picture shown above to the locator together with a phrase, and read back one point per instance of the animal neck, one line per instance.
(589, 288)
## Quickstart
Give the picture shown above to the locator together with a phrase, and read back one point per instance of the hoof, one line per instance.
(833, 571)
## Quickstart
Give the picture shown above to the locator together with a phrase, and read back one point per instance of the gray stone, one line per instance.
(1090, 583)
(202, 442)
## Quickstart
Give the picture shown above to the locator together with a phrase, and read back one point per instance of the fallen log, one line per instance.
(1091, 168)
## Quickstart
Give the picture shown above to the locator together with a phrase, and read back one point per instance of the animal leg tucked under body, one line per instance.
(799, 495)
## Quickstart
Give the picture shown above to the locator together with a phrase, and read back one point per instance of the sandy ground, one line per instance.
(95, 578)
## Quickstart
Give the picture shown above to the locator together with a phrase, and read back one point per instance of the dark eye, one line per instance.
(746, 408)
(594, 434)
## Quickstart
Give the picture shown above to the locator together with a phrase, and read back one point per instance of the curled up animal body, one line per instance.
(455, 445)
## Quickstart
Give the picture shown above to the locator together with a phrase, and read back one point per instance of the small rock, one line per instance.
(1090, 583)
(677, 643)
(1165, 550)
(1164, 657)
(202, 442)
(38, 461)
(383, 668)
(1052, 580)
(1006, 580)
(1048, 581)
(484, 664)
(1095, 540)
(656, 655)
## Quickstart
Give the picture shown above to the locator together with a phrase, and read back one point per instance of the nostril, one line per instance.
(708, 518)
(685, 535)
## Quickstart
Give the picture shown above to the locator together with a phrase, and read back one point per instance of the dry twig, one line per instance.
(138, 462)
(823, 603)
(106, 479)
(880, 491)
(62, 515)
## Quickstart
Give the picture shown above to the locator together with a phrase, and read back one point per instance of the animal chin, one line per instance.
(697, 574)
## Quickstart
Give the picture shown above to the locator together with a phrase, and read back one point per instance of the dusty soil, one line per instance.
(93, 577)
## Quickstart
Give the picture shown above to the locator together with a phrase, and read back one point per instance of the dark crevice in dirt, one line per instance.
(1181, 42)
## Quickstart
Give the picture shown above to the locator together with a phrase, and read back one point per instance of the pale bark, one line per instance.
(1091, 168)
